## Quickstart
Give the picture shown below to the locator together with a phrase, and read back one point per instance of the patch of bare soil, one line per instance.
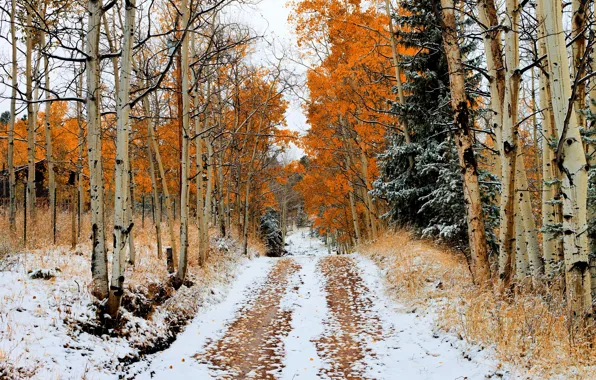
(352, 321)
(252, 346)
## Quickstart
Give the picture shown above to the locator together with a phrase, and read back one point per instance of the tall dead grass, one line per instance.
(41, 252)
(530, 329)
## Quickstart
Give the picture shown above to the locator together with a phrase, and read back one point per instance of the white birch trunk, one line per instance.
(400, 91)
(154, 192)
(14, 73)
(31, 115)
(199, 184)
(80, 141)
(367, 198)
(99, 262)
(352, 201)
(508, 148)
(521, 266)
(122, 227)
(132, 254)
(579, 10)
(208, 195)
(571, 159)
(48, 141)
(531, 247)
(551, 212)
(166, 193)
(184, 188)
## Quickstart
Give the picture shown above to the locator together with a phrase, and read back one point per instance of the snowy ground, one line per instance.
(313, 316)
(41, 319)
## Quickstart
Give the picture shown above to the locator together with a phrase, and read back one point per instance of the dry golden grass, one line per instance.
(530, 329)
(40, 252)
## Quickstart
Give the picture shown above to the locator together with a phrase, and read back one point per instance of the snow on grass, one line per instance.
(34, 339)
(416, 349)
(39, 337)
(42, 319)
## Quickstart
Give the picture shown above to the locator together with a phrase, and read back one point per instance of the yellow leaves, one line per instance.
(347, 87)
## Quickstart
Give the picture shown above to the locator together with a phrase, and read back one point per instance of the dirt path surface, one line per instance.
(252, 346)
(314, 316)
(352, 322)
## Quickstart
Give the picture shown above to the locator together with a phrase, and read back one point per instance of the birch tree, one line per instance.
(400, 90)
(31, 114)
(99, 260)
(551, 210)
(184, 180)
(571, 159)
(122, 225)
(48, 139)
(13, 74)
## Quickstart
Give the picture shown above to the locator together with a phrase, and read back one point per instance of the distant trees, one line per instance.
(349, 84)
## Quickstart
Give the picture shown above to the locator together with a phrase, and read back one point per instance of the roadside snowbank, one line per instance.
(45, 323)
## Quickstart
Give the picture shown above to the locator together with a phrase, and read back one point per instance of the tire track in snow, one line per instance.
(252, 346)
(352, 321)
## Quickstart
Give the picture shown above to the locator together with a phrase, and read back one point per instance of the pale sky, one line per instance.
(270, 17)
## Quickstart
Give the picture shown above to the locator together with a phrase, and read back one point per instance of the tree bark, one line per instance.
(14, 73)
(73, 215)
(367, 198)
(199, 184)
(31, 114)
(572, 163)
(132, 253)
(154, 192)
(521, 266)
(579, 9)
(80, 141)
(508, 148)
(464, 140)
(400, 90)
(184, 188)
(48, 140)
(551, 211)
(532, 249)
(122, 226)
(99, 262)
(353, 203)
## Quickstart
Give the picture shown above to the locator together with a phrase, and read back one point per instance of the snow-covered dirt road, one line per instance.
(312, 316)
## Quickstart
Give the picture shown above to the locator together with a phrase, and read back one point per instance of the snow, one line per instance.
(302, 244)
(412, 349)
(34, 336)
(415, 349)
(310, 311)
(207, 325)
(40, 335)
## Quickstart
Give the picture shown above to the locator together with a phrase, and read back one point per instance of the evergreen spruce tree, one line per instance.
(271, 233)
(429, 196)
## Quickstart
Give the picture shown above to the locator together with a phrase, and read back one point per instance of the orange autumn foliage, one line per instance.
(349, 88)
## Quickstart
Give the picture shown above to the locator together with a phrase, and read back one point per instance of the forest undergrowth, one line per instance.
(54, 294)
(529, 328)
